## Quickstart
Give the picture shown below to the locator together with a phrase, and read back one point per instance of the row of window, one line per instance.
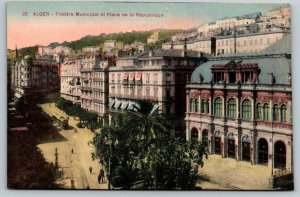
(262, 110)
(244, 42)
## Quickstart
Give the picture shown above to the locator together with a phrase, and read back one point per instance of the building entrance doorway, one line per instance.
(262, 151)
(246, 149)
(231, 145)
(194, 134)
(279, 155)
(218, 148)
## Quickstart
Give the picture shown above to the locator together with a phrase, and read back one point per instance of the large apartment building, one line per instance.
(33, 78)
(70, 87)
(84, 81)
(159, 76)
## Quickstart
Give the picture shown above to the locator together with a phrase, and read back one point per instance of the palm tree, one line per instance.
(146, 121)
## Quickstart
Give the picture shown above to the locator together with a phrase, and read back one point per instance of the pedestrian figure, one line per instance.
(72, 151)
(99, 178)
(91, 169)
(102, 175)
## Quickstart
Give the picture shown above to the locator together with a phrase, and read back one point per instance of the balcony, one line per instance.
(97, 89)
(283, 125)
(97, 100)
(133, 96)
(86, 97)
(86, 70)
(264, 123)
(198, 116)
(85, 88)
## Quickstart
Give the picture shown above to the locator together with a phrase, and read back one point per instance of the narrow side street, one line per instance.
(74, 166)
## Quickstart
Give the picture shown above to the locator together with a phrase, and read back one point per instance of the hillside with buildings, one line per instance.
(248, 33)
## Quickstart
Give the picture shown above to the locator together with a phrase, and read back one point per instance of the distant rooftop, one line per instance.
(275, 59)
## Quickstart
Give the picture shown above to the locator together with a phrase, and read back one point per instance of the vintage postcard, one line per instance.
(149, 96)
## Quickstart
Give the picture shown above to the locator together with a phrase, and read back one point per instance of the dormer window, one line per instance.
(234, 72)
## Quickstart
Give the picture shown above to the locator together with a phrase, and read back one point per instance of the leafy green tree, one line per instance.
(141, 154)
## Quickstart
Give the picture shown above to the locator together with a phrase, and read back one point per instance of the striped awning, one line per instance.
(111, 103)
(130, 106)
(138, 75)
(125, 76)
(124, 105)
(118, 104)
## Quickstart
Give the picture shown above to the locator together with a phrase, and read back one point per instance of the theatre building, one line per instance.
(240, 106)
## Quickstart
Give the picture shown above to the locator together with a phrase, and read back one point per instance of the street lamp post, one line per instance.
(108, 176)
(109, 160)
(56, 158)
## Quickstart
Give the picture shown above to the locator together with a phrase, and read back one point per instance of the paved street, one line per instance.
(229, 174)
(217, 173)
(75, 166)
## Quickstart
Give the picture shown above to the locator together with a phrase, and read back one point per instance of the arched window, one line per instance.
(194, 134)
(276, 112)
(259, 110)
(246, 109)
(191, 105)
(196, 105)
(266, 111)
(207, 107)
(279, 155)
(204, 106)
(218, 107)
(283, 113)
(231, 108)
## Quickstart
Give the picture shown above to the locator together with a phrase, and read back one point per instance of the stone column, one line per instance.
(188, 133)
(270, 151)
(187, 101)
(289, 112)
(289, 154)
